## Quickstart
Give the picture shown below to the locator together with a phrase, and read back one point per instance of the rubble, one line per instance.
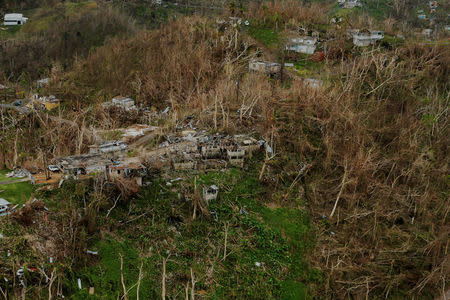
(132, 170)
(42, 82)
(135, 131)
(18, 173)
(114, 147)
(43, 102)
(313, 83)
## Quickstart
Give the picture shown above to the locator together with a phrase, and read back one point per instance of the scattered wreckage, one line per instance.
(198, 150)
(85, 165)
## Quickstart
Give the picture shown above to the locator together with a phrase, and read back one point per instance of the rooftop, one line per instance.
(4, 202)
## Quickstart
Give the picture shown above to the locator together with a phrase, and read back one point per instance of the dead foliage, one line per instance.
(26, 214)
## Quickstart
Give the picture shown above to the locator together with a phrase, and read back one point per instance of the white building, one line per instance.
(352, 4)
(124, 103)
(14, 19)
(363, 39)
(4, 205)
(210, 192)
(304, 44)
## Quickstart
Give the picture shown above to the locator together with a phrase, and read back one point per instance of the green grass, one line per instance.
(16, 193)
(277, 239)
(268, 36)
(9, 32)
(306, 67)
(3, 176)
(378, 9)
(105, 276)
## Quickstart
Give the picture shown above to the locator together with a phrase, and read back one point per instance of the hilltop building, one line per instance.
(14, 19)
(303, 44)
(365, 38)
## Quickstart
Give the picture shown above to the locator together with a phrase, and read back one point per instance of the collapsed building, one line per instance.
(114, 148)
(43, 102)
(97, 164)
(205, 152)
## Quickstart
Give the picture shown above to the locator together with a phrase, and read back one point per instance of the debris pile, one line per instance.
(18, 173)
(198, 150)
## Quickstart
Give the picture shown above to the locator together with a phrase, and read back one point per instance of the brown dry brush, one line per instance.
(378, 140)
(281, 13)
(39, 136)
(33, 52)
(170, 65)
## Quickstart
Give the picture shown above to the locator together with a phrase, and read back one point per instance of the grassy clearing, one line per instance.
(16, 193)
(264, 257)
(306, 67)
(268, 36)
(3, 175)
(8, 31)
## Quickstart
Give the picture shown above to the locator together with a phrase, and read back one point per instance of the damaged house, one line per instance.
(364, 38)
(82, 164)
(131, 170)
(263, 66)
(303, 44)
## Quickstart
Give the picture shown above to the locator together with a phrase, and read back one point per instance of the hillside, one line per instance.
(342, 192)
